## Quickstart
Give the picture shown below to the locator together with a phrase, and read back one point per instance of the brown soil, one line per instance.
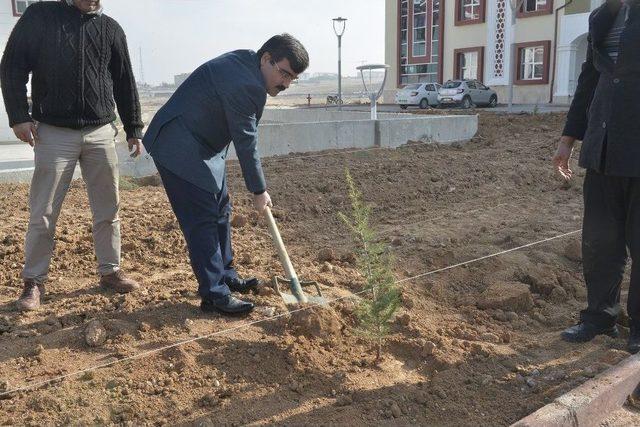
(474, 345)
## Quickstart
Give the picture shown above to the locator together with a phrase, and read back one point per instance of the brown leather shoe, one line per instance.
(118, 282)
(31, 295)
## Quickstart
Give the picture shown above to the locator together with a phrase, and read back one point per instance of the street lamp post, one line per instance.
(339, 25)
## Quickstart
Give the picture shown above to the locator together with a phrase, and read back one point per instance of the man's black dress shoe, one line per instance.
(227, 305)
(633, 346)
(243, 286)
(584, 332)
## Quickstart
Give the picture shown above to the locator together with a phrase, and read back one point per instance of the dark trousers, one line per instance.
(204, 220)
(610, 233)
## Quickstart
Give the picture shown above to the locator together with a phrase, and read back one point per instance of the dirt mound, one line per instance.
(511, 296)
(149, 181)
(181, 358)
(315, 322)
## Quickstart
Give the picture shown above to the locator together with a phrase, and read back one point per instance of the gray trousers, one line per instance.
(57, 151)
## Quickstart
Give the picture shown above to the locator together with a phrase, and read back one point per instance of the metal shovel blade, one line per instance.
(298, 296)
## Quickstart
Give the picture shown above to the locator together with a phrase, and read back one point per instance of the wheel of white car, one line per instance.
(424, 103)
(466, 102)
(493, 102)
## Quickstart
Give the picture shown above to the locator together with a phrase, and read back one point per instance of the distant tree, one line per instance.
(381, 296)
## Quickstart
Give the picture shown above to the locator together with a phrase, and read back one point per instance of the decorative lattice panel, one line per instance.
(501, 13)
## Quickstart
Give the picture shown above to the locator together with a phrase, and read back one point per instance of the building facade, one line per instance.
(10, 11)
(439, 40)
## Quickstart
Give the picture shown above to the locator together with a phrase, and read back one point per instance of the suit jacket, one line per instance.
(221, 101)
(605, 112)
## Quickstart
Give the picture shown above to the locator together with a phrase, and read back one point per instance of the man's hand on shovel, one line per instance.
(261, 201)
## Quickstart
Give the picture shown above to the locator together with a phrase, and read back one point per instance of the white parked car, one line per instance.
(422, 95)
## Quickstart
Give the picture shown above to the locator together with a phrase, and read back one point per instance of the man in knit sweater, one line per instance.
(80, 64)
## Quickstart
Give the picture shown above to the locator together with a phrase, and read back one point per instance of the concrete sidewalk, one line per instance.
(16, 162)
(14, 155)
(592, 402)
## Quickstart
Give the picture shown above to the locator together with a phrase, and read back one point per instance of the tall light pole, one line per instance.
(339, 25)
(141, 67)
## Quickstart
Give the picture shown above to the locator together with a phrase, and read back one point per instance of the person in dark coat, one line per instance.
(189, 138)
(605, 115)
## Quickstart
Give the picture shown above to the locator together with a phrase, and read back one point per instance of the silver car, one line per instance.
(467, 93)
(422, 95)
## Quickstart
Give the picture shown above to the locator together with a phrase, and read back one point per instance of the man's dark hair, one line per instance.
(286, 46)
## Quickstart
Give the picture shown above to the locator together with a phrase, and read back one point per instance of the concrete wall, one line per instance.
(298, 115)
(390, 130)
(442, 129)
(283, 139)
(315, 115)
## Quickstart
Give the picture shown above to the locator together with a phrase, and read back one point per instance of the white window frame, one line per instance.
(539, 5)
(474, 7)
(404, 46)
(409, 78)
(469, 71)
(435, 31)
(421, 44)
(529, 63)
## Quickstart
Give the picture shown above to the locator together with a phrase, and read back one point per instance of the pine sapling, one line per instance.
(381, 297)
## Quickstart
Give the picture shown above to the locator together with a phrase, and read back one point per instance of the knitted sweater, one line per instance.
(80, 65)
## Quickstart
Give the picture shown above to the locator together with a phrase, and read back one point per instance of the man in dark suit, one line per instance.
(605, 115)
(189, 138)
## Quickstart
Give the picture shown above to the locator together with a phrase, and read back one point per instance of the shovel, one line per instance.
(297, 295)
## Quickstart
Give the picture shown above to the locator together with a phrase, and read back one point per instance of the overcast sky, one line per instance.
(176, 36)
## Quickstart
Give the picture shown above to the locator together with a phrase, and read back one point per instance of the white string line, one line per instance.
(267, 319)
(488, 256)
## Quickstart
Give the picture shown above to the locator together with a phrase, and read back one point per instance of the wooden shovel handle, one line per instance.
(277, 240)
